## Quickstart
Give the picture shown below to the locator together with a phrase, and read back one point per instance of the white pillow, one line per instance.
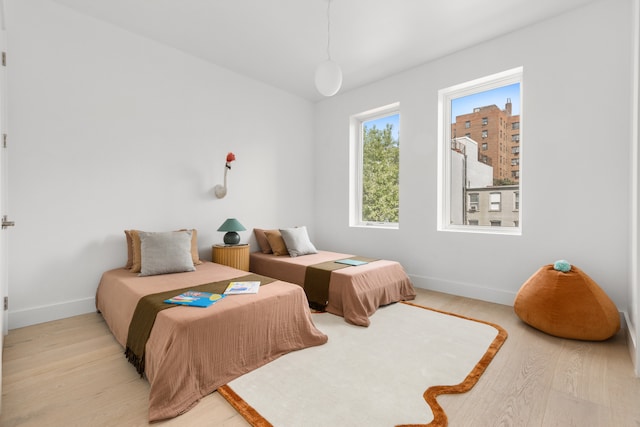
(165, 252)
(297, 241)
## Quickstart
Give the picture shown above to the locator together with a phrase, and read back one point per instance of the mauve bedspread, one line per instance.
(192, 351)
(355, 293)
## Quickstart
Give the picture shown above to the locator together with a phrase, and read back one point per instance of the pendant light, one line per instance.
(328, 74)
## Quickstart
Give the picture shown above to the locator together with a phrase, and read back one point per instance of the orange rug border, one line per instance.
(430, 395)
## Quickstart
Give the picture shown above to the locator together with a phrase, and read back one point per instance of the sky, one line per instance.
(381, 123)
(498, 97)
(464, 105)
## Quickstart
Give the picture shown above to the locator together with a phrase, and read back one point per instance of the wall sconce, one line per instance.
(221, 190)
(231, 226)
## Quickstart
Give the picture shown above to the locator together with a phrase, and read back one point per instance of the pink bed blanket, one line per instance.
(192, 351)
(355, 293)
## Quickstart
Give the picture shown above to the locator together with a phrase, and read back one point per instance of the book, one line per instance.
(353, 262)
(195, 299)
(242, 288)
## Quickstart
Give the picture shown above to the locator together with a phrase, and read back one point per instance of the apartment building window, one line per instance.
(474, 202)
(496, 223)
(516, 201)
(495, 201)
(515, 138)
(483, 167)
(515, 161)
(375, 168)
(515, 125)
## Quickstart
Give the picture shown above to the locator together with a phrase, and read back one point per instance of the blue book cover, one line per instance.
(195, 299)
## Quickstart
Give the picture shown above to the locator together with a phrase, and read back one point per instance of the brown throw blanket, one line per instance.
(317, 278)
(148, 307)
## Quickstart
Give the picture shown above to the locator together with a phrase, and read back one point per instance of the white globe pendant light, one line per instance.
(328, 74)
(328, 78)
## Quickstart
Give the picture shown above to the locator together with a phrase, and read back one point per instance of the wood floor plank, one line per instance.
(72, 372)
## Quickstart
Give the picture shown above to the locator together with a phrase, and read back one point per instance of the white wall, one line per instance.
(110, 131)
(575, 160)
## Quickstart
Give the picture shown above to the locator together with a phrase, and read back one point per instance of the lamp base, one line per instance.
(231, 238)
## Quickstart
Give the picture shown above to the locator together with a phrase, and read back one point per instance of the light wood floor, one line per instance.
(72, 372)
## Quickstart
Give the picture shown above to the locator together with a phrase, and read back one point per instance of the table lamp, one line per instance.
(231, 226)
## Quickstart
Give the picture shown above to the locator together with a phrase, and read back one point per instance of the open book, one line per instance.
(242, 288)
(353, 262)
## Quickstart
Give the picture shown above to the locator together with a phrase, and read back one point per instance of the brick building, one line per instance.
(497, 133)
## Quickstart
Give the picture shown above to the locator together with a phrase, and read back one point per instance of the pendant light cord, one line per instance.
(329, 29)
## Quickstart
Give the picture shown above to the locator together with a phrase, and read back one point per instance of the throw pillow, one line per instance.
(165, 252)
(297, 241)
(275, 241)
(133, 249)
(262, 240)
(194, 246)
(127, 233)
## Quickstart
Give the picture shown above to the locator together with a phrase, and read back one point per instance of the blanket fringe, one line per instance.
(137, 362)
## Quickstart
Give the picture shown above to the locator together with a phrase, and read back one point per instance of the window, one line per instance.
(467, 124)
(375, 168)
(482, 167)
(515, 125)
(516, 201)
(474, 202)
(495, 201)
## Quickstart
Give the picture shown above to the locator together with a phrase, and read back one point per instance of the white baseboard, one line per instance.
(632, 344)
(47, 313)
(467, 290)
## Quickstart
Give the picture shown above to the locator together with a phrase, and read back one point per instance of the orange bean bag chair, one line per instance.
(562, 300)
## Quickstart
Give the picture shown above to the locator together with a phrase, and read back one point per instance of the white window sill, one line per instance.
(483, 229)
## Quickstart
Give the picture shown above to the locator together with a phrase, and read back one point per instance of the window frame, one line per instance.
(356, 164)
(445, 97)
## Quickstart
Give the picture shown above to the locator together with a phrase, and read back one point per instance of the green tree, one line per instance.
(380, 175)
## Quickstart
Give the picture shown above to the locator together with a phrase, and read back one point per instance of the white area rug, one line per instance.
(375, 376)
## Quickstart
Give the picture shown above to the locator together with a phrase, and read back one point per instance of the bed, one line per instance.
(354, 292)
(192, 351)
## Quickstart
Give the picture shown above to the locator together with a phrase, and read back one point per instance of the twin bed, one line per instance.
(192, 351)
(188, 352)
(354, 292)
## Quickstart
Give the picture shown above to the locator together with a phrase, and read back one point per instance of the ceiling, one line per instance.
(281, 42)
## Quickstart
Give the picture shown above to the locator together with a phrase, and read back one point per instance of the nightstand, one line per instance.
(236, 256)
